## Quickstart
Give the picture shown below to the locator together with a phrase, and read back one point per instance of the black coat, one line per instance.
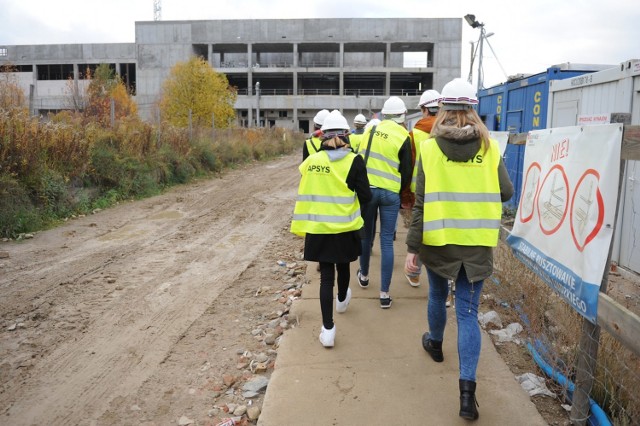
(344, 247)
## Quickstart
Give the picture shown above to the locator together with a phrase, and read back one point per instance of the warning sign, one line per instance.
(564, 223)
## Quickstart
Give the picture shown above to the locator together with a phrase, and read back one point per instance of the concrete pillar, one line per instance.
(294, 107)
(210, 54)
(295, 55)
(295, 83)
(341, 72)
(387, 75)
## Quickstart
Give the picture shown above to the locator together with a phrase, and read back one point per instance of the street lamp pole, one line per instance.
(471, 20)
(480, 49)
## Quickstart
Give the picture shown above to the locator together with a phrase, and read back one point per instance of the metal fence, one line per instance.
(595, 367)
(331, 92)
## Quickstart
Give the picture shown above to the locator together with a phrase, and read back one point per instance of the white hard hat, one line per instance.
(335, 121)
(359, 119)
(372, 122)
(394, 106)
(458, 94)
(320, 116)
(429, 99)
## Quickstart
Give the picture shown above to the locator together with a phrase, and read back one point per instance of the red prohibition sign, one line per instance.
(566, 199)
(523, 199)
(600, 204)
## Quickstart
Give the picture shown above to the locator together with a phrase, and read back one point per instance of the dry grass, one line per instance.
(67, 165)
(554, 329)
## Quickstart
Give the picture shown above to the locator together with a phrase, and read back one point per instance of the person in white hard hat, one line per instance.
(312, 143)
(388, 159)
(428, 104)
(461, 184)
(372, 122)
(355, 137)
(333, 186)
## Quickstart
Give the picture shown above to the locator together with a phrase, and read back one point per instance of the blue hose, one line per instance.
(598, 417)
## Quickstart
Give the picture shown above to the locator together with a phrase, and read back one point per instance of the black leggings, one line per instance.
(327, 278)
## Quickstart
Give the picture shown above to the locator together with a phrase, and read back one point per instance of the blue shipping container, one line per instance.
(520, 106)
(490, 106)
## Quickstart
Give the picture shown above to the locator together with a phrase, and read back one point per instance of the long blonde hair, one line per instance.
(335, 143)
(461, 118)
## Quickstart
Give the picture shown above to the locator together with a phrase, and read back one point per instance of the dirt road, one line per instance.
(140, 314)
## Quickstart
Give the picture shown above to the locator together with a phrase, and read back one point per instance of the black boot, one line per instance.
(433, 347)
(468, 402)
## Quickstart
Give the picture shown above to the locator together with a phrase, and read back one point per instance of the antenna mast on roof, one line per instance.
(157, 10)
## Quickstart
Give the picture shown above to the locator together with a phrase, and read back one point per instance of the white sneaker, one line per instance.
(342, 306)
(328, 337)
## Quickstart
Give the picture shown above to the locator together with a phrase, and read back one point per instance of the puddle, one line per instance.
(166, 215)
(128, 231)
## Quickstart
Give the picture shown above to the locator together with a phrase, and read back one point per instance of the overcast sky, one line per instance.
(528, 36)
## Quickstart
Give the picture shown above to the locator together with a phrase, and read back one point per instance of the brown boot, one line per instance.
(468, 402)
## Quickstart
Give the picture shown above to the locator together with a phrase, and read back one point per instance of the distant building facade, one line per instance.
(284, 70)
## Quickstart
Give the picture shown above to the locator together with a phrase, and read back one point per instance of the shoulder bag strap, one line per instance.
(366, 155)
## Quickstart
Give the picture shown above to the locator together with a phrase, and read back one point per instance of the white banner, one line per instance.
(502, 138)
(564, 223)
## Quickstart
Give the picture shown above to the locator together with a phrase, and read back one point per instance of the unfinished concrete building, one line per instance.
(283, 70)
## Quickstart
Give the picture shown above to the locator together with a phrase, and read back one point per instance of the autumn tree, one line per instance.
(11, 95)
(105, 86)
(195, 86)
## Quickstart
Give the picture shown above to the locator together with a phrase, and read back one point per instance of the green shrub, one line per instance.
(53, 194)
(105, 164)
(17, 212)
(108, 199)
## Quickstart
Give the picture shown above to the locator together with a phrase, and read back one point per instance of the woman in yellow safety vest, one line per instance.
(327, 213)
(312, 143)
(460, 187)
(386, 148)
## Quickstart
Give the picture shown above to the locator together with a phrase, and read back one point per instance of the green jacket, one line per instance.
(458, 145)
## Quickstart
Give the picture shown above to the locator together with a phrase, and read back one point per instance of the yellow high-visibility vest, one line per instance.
(383, 162)
(419, 136)
(461, 199)
(355, 140)
(313, 144)
(325, 204)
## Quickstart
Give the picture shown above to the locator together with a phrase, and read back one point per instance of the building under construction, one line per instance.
(284, 70)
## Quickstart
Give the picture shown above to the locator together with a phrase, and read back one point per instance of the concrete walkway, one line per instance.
(378, 373)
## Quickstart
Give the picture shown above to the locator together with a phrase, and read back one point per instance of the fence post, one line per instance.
(158, 130)
(213, 126)
(585, 369)
(589, 341)
(113, 113)
(32, 111)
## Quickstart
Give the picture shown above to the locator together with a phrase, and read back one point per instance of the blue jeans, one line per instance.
(467, 301)
(387, 205)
